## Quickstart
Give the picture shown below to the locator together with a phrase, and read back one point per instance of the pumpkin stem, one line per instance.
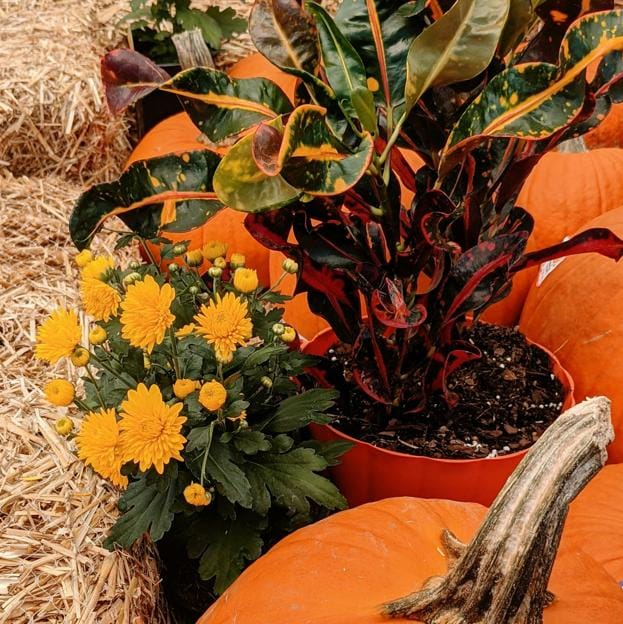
(502, 575)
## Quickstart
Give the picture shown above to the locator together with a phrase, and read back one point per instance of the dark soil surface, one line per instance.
(507, 398)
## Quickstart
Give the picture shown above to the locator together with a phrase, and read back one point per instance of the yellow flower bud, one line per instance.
(194, 258)
(131, 278)
(237, 260)
(213, 395)
(135, 264)
(215, 272)
(83, 258)
(193, 290)
(245, 280)
(179, 249)
(97, 335)
(60, 392)
(183, 387)
(64, 426)
(278, 329)
(80, 357)
(214, 249)
(290, 266)
(224, 358)
(267, 382)
(195, 494)
(173, 267)
(289, 334)
(220, 262)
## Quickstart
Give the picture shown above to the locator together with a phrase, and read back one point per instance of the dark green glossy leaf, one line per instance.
(300, 410)
(285, 34)
(137, 196)
(222, 467)
(240, 184)
(344, 68)
(363, 103)
(458, 46)
(533, 100)
(223, 107)
(381, 31)
(520, 16)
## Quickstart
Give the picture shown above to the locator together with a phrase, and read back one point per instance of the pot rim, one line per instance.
(557, 368)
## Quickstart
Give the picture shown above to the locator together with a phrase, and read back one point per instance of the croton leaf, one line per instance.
(533, 100)
(145, 507)
(457, 47)
(285, 34)
(137, 196)
(223, 107)
(128, 76)
(520, 18)
(344, 68)
(242, 185)
(381, 31)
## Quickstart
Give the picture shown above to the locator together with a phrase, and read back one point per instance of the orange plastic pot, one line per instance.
(368, 473)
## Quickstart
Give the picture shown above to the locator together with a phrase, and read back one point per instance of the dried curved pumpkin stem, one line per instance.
(502, 575)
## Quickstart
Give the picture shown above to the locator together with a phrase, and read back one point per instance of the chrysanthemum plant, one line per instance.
(480, 90)
(191, 405)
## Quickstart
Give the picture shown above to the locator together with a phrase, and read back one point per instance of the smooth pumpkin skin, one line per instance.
(595, 520)
(339, 570)
(176, 135)
(297, 312)
(609, 133)
(563, 192)
(577, 313)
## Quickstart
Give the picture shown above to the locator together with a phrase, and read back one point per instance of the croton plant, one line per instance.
(480, 90)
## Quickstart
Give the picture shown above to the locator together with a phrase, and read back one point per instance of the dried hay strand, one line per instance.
(53, 119)
(54, 511)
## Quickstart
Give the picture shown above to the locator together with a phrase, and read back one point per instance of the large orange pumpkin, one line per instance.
(564, 191)
(576, 311)
(177, 135)
(609, 133)
(340, 570)
(297, 311)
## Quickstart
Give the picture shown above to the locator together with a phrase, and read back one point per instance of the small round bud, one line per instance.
(290, 266)
(97, 335)
(278, 329)
(215, 272)
(64, 426)
(179, 249)
(195, 494)
(289, 334)
(135, 264)
(130, 278)
(267, 382)
(194, 258)
(193, 290)
(237, 260)
(80, 357)
(220, 262)
(173, 267)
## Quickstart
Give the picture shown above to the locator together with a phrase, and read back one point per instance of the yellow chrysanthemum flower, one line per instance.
(212, 395)
(183, 387)
(224, 324)
(194, 258)
(237, 260)
(187, 330)
(147, 313)
(83, 258)
(214, 249)
(99, 445)
(195, 494)
(59, 392)
(150, 429)
(99, 299)
(98, 335)
(98, 267)
(64, 426)
(245, 280)
(58, 336)
(80, 357)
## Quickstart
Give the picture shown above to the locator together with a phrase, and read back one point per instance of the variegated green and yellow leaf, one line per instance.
(137, 197)
(533, 100)
(224, 107)
(457, 47)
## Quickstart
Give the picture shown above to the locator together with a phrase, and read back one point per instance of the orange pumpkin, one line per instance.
(341, 569)
(609, 133)
(596, 519)
(297, 311)
(576, 312)
(177, 135)
(564, 191)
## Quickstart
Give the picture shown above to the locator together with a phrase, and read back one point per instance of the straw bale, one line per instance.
(54, 511)
(53, 120)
